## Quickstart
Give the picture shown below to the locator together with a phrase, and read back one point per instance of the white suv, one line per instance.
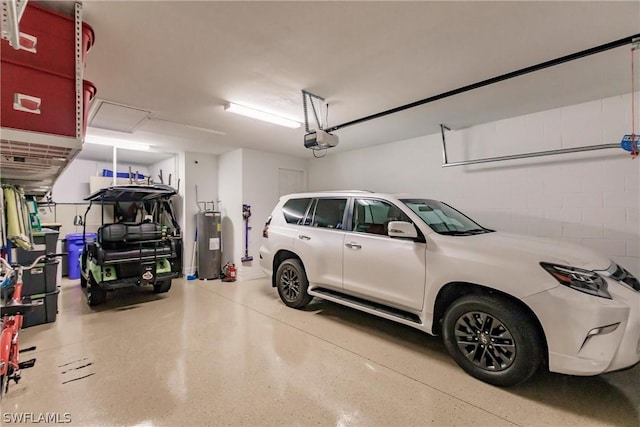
(504, 303)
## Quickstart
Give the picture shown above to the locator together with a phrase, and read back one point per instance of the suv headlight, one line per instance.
(581, 280)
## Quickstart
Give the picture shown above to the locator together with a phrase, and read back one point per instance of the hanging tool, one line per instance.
(160, 176)
(169, 179)
(246, 214)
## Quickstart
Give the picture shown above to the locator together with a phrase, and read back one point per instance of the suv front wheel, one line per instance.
(493, 339)
(292, 283)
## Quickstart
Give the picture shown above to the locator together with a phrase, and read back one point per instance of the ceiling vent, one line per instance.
(118, 117)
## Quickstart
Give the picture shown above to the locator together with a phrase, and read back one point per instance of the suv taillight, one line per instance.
(265, 230)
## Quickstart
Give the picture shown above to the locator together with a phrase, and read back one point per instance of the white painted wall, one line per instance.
(202, 170)
(168, 167)
(591, 198)
(260, 185)
(72, 186)
(230, 176)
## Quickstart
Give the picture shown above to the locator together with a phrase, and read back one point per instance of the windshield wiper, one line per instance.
(455, 233)
(479, 231)
(469, 232)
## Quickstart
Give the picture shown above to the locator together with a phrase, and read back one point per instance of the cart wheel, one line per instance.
(83, 263)
(95, 294)
(162, 286)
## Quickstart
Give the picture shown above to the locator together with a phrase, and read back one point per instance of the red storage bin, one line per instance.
(40, 102)
(89, 92)
(47, 41)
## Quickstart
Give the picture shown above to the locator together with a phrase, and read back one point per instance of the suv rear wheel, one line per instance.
(292, 283)
(493, 339)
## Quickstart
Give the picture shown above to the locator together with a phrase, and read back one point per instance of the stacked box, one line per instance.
(44, 313)
(38, 79)
(40, 279)
(44, 241)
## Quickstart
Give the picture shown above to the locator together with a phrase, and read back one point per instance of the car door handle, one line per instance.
(352, 245)
(303, 237)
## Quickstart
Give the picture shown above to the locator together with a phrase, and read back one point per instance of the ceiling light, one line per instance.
(261, 115)
(118, 143)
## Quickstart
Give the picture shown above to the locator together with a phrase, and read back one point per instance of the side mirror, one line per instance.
(77, 220)
(402, 229)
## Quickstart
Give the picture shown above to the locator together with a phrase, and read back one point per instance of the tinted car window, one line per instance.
(443, 219)
(372, 216)
(294, 210)
(327, 213)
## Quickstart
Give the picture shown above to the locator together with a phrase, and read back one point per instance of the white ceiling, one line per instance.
(184, 60)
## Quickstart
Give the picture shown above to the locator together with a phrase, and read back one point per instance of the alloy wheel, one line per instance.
(485, 341)
(290, 283)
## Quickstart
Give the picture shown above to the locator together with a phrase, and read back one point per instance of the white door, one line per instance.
(320, 242)
(388, 270)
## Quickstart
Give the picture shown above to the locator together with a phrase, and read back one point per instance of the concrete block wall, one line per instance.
(590, 198)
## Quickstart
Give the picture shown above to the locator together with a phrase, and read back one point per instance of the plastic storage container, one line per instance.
(45, 313)
(109, 173)
(38, 80)
(47, 42)
(36, 101)
(75, 244)
(45, 241)
(40, 279)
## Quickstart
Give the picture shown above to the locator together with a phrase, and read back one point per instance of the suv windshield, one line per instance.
(443, 219)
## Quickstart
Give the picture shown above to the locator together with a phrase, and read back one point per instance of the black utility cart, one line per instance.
(138, 244)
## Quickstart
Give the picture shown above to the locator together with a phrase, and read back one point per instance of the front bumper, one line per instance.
(588, 335)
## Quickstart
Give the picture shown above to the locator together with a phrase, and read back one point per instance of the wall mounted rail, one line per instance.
(446, 164)
(567, 58)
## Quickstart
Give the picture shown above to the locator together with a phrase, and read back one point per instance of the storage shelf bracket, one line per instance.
(12, 11)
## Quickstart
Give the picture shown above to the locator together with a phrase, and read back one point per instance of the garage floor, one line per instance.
(212, 353)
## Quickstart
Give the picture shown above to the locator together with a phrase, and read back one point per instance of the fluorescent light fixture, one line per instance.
(118, 143)
(261, 115)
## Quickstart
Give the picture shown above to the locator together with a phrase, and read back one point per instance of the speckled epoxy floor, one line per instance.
(212, 353)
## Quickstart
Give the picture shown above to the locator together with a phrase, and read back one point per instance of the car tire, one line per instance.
(493, 339)
(292, 283)
(162, 286)
(95, 294)
(83, 281)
